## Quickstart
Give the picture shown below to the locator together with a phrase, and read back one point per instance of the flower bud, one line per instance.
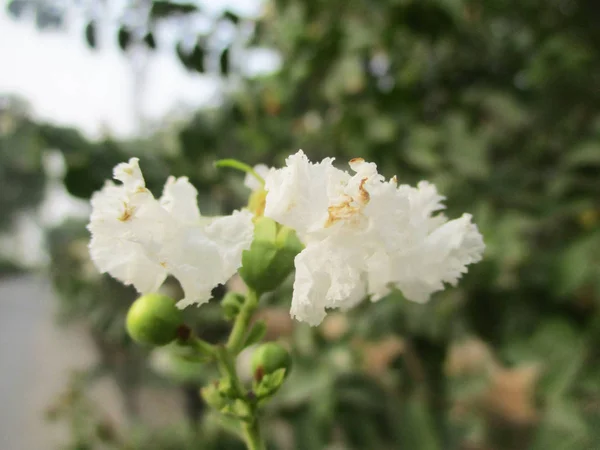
(153, 319)
(231, 304)
(270, 258)
(268, 358)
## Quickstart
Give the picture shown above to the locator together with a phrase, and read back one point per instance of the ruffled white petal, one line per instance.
(126, 261)
(140, 240)
(180, 200)
(326, 278)
(364, 234)
(233, 234)
(297, 195)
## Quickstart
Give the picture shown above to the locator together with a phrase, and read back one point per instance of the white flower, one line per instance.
(140, 240)
(365, 235)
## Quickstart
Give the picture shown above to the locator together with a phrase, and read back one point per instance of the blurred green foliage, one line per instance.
(496, 102)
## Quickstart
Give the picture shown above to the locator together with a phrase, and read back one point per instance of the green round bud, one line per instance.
(270, 357)
(154, 319)
(232, 304)
(270, 259)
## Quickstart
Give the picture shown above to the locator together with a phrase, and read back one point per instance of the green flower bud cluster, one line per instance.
(270, 364)
(221, 396)
(270, 259)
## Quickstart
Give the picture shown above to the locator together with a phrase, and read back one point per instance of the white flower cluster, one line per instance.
(140, 240)
(365, 235)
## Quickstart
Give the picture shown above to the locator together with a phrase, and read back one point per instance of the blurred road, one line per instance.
(35, 361)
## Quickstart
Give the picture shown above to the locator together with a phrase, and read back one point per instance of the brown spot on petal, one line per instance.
(291, 206)
(341, 211)
(141, 190)
(362, 192)
(357, 160)
(127, 214)
(128, 170)
(395, 179)
(163, 264)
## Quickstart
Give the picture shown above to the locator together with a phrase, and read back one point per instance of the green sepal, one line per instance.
(288, 239)
(218, 395)
(269, 384)
(270, 259)
(226, 389)
(213, 397)
(237, 408)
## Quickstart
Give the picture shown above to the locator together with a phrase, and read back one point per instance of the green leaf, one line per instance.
(124, 38)
(16, 7)
(231, 16)
(90, 34)
(224, 62)
(586, 154)
(149, 40)
(578, 265)
(165, 8)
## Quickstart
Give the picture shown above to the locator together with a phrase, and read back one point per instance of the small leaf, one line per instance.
(16, 7)
(587, 154)
(224, 62)
(237, 408)
(149, 40)
(124, 38)
(226, 389)
(256, 334)
(231, 16)
(269, 384)
(196, 59)
(212, 396)
(90, 34)
(162, 9)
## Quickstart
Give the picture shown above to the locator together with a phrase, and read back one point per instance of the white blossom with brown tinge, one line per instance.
(140, 240)
(365, 235)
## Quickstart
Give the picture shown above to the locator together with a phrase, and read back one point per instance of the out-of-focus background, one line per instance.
(495, 101)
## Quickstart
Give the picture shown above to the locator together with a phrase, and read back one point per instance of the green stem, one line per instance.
(235, 164)
(242, 321)
(251, 430)
(203, 347)
(252, 436)
(227, 365)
